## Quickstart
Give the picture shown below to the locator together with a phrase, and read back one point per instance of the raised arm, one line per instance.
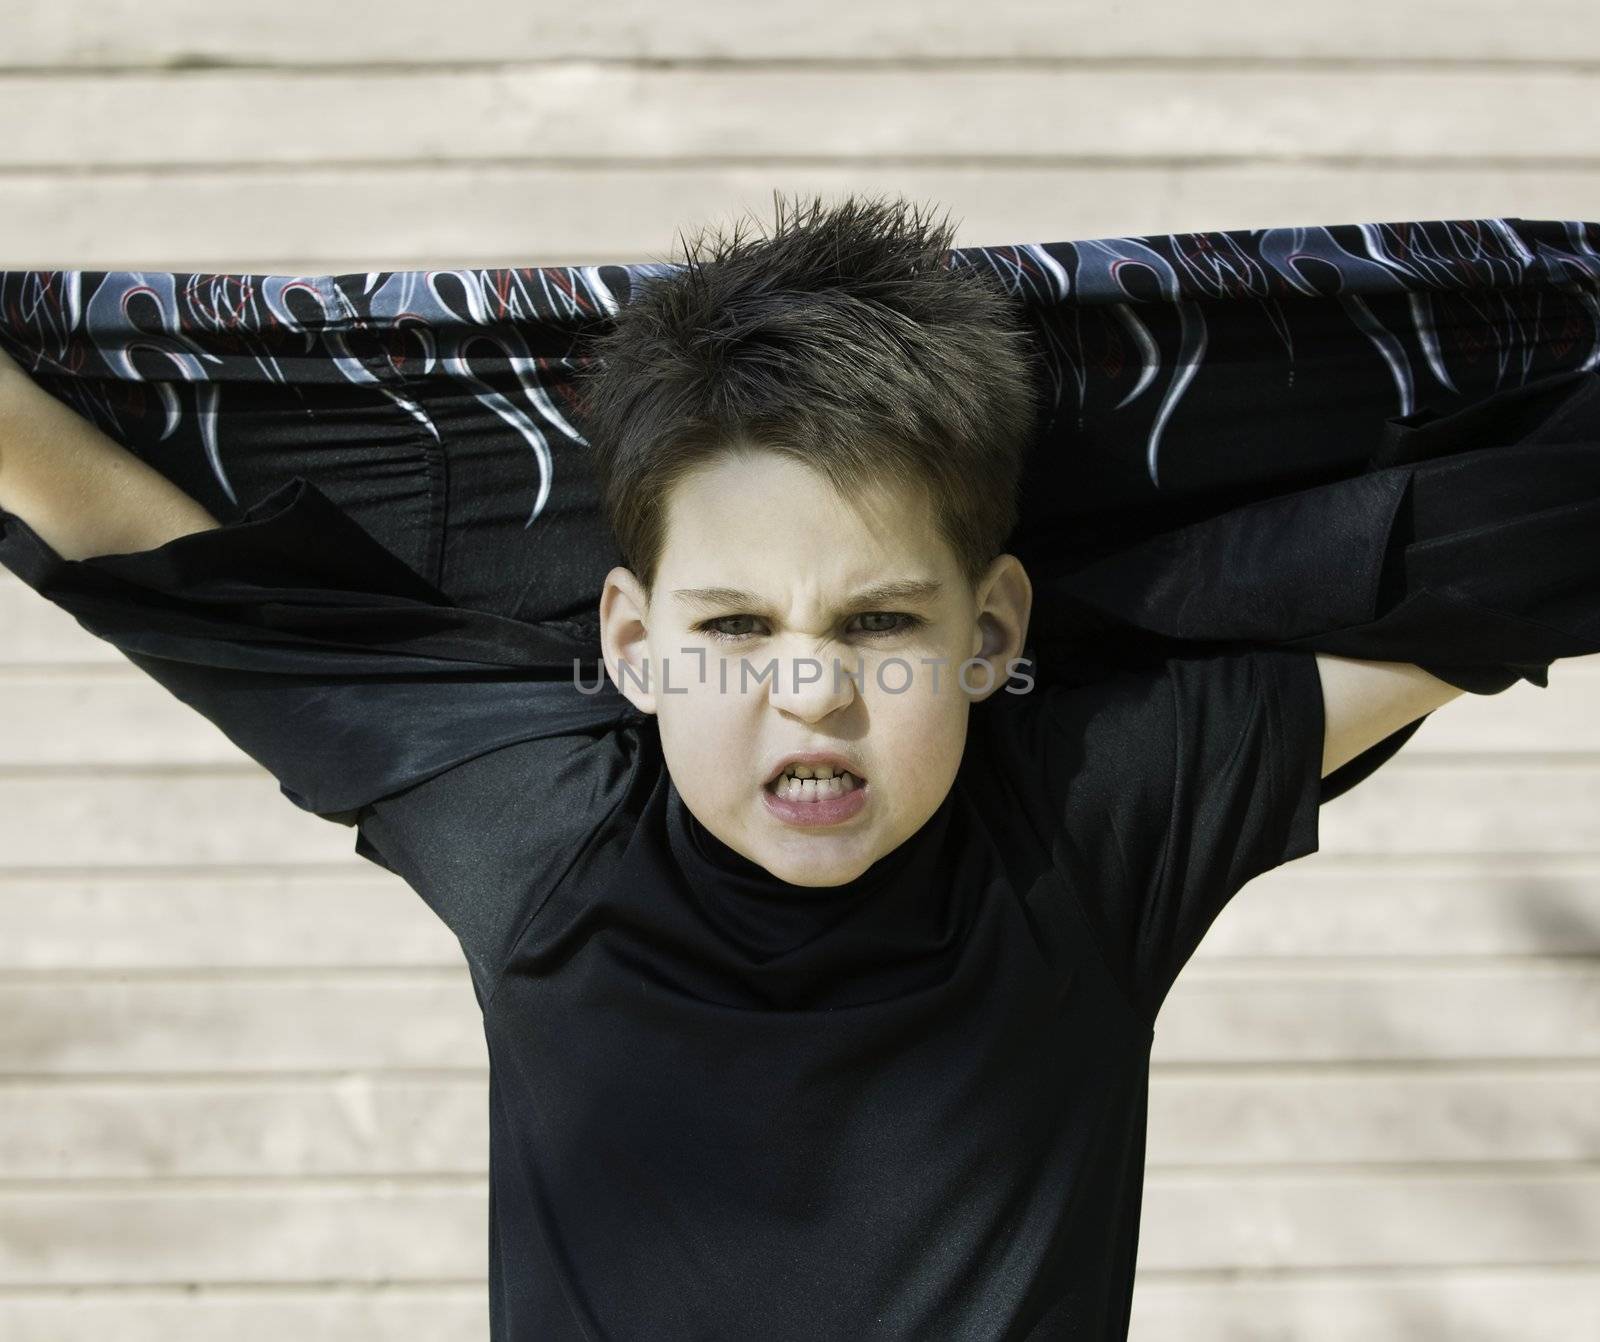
(81, 491)
(1365, 701)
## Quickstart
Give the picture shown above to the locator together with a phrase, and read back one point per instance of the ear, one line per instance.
(1004, 606)
(625, 638)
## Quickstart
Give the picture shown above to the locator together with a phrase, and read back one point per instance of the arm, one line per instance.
(1365, 701)
(81, 491)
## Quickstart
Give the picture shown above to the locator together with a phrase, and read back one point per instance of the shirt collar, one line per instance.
(700, 852)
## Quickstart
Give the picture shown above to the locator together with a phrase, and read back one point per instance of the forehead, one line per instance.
(744, 506)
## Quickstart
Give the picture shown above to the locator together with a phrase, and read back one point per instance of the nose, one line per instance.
(812, 685)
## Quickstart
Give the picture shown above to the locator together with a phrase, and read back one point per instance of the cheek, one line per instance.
(702, 738)
(921, 733)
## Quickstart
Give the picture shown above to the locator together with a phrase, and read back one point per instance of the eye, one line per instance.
(905, 624)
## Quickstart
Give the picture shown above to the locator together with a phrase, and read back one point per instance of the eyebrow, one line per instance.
(909, 590)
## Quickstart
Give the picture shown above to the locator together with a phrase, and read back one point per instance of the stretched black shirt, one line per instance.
(722, 1106)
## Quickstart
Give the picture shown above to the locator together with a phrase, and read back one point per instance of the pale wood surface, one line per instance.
(242, 1072)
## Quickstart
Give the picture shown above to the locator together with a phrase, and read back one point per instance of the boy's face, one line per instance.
(806, 667)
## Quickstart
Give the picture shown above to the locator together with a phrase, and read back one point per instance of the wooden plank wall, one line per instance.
(242, 1079)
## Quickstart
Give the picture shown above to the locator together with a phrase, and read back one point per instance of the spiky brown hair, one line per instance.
(845, 340)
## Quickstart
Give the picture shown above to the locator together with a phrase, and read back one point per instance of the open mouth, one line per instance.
(814, 789)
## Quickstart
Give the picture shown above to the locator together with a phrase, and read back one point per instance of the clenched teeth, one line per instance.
(797, 788)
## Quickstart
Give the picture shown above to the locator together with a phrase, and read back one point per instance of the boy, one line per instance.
(859, 1054)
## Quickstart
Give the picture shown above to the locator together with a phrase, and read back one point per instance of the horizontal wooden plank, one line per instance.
(323, 1313)
(215, 919)
(1208, 1221)
(354, 1124)
(197, 817)
(206, 220)
(1287, 1115)
(1431, 804)
(366, 1231)
(419, 1018)
(103, 715)
(1484, 1305)
(218, 921)
(1447, 1305)
(598, 113)
(189, 33)
(1316, 1013)
(371, 1124)
(1328, 907)
(398, 1019)
(261, 263)
(369, 1231)
(114, 714)
(1427, 805)
(40, 633)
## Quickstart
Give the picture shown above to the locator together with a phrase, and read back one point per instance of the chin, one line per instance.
(815, 873)
(811, 881)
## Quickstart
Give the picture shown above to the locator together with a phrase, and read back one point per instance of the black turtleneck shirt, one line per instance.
(908, 1107)
(723, 1106)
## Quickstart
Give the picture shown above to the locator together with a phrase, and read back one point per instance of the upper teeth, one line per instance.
(809, 771)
